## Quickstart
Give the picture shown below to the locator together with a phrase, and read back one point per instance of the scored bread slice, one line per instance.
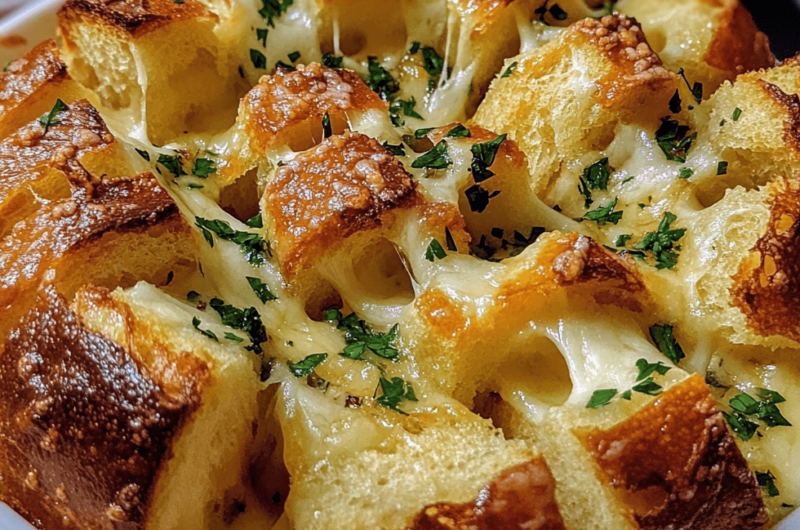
(160, 62)
(30, 85)
(124, 416)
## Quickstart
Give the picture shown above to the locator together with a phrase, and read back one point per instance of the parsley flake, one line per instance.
(672, 138)
(436, 158)
(261, 35)
(478, 197)
(605, 214)
(509, 70)
(737, 113)
(247, 320)
(332, 61)
(675, 103)
(601, 398)
(254, 247)
(327, 132)
(360, 338)
(722, 168)
(396, 150)
(595, 177)
(648, 386)
(142, 153)
(50, 118)
(173, 164)
(740, 425)
(272, 9)
(764, 410)
(307, 365)
(294, 56)
(435, 251)
(433, 63)
(233, 337)
(459, 131)
(646, 369)
(261, 289)
(203, 167)
(208, 333)
(661, 242)
(767, 483)
(664, 340)
(622, 239)
(686, 172)
(255, 222)
(259, 59)
(483, 156)
(380, 80)
(395, 391)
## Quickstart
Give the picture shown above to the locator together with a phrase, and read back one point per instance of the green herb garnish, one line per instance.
(254, 247)
(307, 365)
(664, 340)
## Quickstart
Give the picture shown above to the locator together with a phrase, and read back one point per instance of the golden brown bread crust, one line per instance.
(522, 496)
(346, 184)
(675, 464)
(635, 64)
(29, 73)
(285, 100)
(790, 102)
(84, 426)
(767, 286)
(738, 46)
(62, 230)
(129, 17)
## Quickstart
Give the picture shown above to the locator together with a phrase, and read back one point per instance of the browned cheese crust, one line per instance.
(522, 496)
(767, 286)
(61, 229)
(675, 465)
(634, 64)
(791, 103)
(26, 153)
(281, 102)
(84, 426)
(345, 185)
(129, 17)
(738, 46)
(27, 74)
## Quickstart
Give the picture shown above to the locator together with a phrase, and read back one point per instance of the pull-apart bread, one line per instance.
(419, 265)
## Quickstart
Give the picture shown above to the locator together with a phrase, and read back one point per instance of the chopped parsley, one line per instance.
(285, 66)
(193, 186)
(722, 168)
(261, 289)
(595, 177)
(261, 35)
(459, 131)
(661, 242)
(203, 167)
(449, 241)
(360, 338)
(332, 61)
(173, 164)
(747, 409)
(767, 483)
(307, 365)
(327, 132)
(510, 69)
(272, 9)
(664, 339)
(407, 108)
(49, 119)
(380, 80)
(605, 214)
(247, 320)
(675, 103)
(255, 222)
(192, 296)
(258, 59)
(254, 247)
(396, 150)
(737, 113)
(648, 386)
(208, 333)
(483, 155)
(433, 63)
(672, 138)
(686, 172)
(435, 251)
(233, 337)
(601, 398)
(622, 239)
(395, 391)
(419, 134)
(294, 56)
(414, 48)
(507, 249)
(478, 198)
(436, 158)
(696, 89)
(142, 153)
(646, 369)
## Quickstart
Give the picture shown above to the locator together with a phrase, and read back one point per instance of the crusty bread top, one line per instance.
(344, 185)
(131, 17)
(522, 496)
(767, 286)
(24, 76)
(85, 424)
(287, 99)
(738, 46)
(676, 459)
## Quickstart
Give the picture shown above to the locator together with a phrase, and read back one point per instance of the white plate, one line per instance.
(37, 22)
